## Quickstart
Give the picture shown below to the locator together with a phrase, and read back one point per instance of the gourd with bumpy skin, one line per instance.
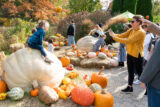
(95, 87)
(103, 99)
(26, 65)
(16, 93)
(3, 96)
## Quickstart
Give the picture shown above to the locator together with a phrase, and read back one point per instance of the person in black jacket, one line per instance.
(71, 33)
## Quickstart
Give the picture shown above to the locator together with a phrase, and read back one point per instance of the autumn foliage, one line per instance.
(31, 9)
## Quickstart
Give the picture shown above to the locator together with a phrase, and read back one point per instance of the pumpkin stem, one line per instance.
(103, 91)
(101, 70)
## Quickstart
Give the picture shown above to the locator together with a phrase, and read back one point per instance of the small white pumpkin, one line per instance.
(16, 93)
(70, 54)
(92, 54)
(102, 55)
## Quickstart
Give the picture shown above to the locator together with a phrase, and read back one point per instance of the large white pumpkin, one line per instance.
(26, 65)
(86, 43)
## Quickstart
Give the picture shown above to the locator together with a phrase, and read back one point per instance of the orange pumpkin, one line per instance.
(66, 42)
(102, 49)
(78, 54)
(78, 50)
(57, 89)
(109, 54)
(82, 96)
(3, 86)
(54, 44)
(73, 45)
(114, 54)
(147, 17)
(65, 61)
(97, 53)
(63, 87)
(58, 9)
(103, 99)
(99, 78)
(34, 92)
(88, 82)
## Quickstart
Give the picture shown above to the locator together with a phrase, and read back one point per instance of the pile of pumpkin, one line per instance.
(81, 95)
(101, 98)
(102, 54)
(92, 93)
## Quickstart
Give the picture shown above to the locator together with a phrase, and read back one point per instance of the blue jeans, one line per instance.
(38, 47)
(153, 96)
(96, 48)
(71, 40)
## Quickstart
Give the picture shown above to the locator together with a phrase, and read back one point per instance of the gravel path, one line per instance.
(117, 81)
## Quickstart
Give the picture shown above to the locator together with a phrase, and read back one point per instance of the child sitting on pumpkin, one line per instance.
(100, 43)
(35, 41)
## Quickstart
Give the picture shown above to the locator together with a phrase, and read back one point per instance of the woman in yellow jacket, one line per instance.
(134, 40)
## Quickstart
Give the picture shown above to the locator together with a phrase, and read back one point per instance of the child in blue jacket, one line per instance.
(35, 41)
(100, 43)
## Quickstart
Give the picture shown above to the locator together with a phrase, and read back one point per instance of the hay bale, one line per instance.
(114, 61)
(95, 63)
(2, 57)
(75, 61)
(86, 43)
(16, 46)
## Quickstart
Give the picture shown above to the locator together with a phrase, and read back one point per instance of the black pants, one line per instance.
(134, 63)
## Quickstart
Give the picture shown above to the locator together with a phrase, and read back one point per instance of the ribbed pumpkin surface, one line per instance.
(83, 96)
(103, 99)
(99, 79)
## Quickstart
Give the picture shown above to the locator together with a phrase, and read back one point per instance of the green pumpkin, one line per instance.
(95, 87)
(16, 93)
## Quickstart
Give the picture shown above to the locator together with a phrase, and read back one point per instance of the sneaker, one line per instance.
(145, 93)
(121, 64)
(128, 89)
(48, 60)
(137, 82)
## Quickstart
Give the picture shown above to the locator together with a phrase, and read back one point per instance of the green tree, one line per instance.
(130, 5)
(144, 7)
(120, 6)
(84, 5)
(117, 6)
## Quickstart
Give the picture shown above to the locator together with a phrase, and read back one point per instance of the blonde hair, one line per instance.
(42, 24)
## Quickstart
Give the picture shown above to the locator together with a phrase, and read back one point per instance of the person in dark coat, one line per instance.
(71, 33)
(151, 73)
